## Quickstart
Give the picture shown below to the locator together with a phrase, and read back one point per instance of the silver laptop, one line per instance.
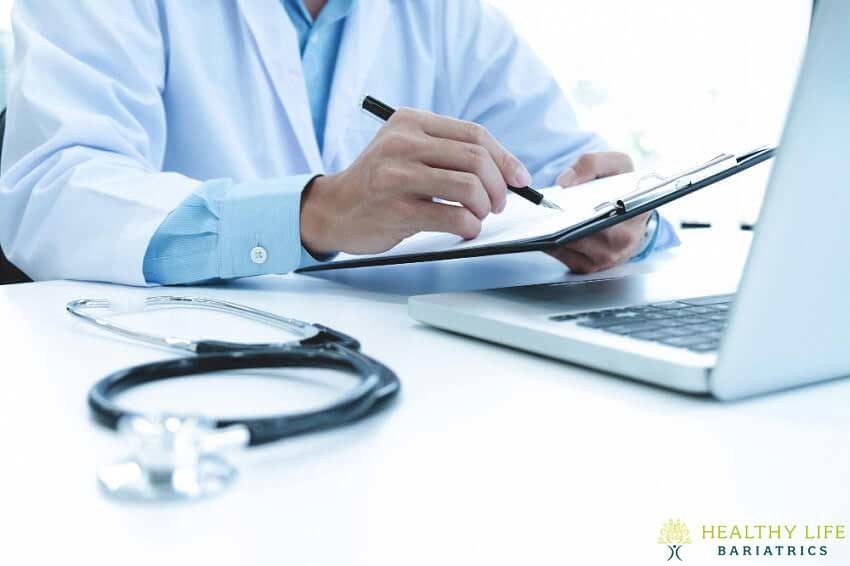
(788, 324)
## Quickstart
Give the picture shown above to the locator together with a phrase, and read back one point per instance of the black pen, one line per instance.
(383, 112)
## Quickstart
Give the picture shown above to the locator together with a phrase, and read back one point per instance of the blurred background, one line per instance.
(671, 82)
(676, 82)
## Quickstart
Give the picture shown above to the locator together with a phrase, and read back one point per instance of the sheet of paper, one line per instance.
(522, 220)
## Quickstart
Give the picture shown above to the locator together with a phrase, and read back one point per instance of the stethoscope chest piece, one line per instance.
(171, 458)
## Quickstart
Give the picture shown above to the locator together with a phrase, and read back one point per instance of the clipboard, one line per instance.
(651, 192)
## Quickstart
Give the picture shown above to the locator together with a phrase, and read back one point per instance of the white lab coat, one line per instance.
(118, 110)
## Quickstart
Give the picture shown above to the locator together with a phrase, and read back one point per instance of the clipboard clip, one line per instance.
(653, 186)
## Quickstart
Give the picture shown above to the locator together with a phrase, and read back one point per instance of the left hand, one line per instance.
(609, 247)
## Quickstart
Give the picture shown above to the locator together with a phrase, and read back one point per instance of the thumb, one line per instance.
(567, 178)
(592, 166)
(582, 171)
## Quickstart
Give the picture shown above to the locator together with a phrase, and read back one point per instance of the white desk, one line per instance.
(490, 456)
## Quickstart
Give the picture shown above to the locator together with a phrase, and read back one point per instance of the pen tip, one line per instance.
(549, 204)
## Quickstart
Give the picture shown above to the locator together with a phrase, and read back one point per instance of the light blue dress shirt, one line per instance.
(190, 245)
(319, 42)
(185, 248)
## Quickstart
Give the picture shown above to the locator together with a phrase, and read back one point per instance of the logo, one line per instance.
(675, 534)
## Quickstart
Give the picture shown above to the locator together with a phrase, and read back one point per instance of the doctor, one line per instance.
(173, 141)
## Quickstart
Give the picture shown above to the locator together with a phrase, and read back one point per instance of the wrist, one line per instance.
(315, 222)
(649, 235)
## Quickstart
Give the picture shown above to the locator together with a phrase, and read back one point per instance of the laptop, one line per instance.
(785, 323)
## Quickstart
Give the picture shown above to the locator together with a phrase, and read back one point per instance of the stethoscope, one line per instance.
(179, 456)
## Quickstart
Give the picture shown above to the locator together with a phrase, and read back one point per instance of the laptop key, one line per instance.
(651, 335)
(645, 326)
(614, 313)
(563, 317)
(670, 305)
(669, 322)
(627, 329)
(699, 310)
(611, 319)
(692, 319)
(601, 323)
(643, 311)
(700, 328)
(679, 331)
(683, 341)
(705, 347)
(715, 300)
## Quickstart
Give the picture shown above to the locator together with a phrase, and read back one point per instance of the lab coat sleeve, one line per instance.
(82, 190)
(494, 78)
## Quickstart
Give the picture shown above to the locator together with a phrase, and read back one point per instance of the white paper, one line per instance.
(521, 220)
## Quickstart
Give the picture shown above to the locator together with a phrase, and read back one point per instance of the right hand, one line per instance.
(386, 195)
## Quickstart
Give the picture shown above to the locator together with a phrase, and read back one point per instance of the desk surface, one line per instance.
(491, 456)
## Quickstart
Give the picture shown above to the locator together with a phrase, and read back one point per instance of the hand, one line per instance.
(386, 195)
(609, 247)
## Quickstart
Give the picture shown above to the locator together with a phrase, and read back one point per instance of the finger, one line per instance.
(437, 217)
(592, 166)
(612, 246)
(513, 171)
(604, 249)
(576, 261)
(470, 158)
(627, 236)
(596, 250)
(456, 186)
(424, 182)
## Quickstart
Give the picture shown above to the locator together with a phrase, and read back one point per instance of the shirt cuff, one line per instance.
(260, 227)
(662, 237)
(226, 230)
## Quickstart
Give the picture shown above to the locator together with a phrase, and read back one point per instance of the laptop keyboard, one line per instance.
(695, 324)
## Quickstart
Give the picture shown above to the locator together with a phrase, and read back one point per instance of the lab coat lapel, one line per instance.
(360, 42)
(277, 43)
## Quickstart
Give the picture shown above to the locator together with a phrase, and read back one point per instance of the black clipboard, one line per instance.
(634, 204)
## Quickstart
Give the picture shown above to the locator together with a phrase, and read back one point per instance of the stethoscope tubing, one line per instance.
(375, 388)
(321, 347)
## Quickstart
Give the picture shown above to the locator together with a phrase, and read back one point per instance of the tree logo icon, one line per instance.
(675, 534)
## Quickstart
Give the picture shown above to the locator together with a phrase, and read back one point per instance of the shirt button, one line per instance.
(314, 38)
(259, 255)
